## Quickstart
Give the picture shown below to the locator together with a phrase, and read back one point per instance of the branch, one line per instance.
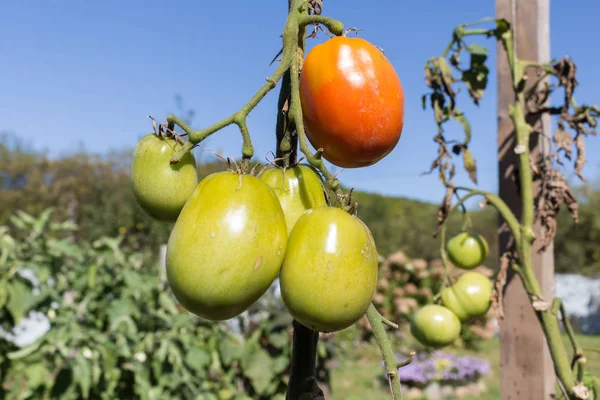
(335, 27)
(389, 359)
(498, 203)
(238, 118)
(559, 307)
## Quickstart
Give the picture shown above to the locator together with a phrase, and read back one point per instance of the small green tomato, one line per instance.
(469, 297)
(435, 326)
(298, 188)
(160, 188)
(466, 250)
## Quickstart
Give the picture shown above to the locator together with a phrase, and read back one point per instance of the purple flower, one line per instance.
(442, 367)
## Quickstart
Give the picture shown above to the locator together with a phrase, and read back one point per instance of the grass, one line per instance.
(357, 376)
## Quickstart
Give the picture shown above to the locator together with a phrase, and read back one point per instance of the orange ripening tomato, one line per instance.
(353, 102)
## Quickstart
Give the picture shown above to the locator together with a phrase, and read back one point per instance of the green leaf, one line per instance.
(39, 225)
(258, 367)
(25, 351)
(279, 339)
(82, 375)
(281, 363)
(20, 300)
(37, 375)
(63, 248)
(477, 50)
(166, 302)
(228, 350)
(26, 217)
(199, 360)
(502, 27)
(461, 119)
(125, 307)
(3, 294)
(174, 355)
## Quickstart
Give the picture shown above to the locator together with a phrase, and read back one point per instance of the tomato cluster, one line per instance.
(438, 325)
(235, 233)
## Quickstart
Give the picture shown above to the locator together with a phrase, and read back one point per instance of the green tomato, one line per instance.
(329, 274)
(161, 189)
(227, 246)
(467, 250)
(469, 297)
(435, 326)
(299, 189)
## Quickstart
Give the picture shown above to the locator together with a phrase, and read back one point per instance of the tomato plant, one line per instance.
(329, 274)
(469, 297)
(227, 245)
(435, 326)
(352, 102)
(467, 250)
(347, 100)
(160, 188)
(298, 188)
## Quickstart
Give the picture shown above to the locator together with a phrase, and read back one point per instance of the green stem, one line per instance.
(334, 26)
(559, 307)
(376, 320)
(389, 359)
(238, 118)
(498, 203)
(548, 320)
(313, 159)
(302, 384)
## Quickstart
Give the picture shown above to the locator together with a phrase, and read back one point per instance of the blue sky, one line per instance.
(87, 73)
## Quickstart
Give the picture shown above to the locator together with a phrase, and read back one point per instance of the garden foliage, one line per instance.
(115, 329)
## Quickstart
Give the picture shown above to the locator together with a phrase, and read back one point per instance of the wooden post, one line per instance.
(527, 372)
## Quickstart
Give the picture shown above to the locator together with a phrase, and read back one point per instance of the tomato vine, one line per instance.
(530, 100)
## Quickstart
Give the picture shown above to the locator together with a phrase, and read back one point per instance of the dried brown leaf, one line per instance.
(470, 164)
(444, 210)
(581, 159)
(499, 284)
(554, 192)
(563, 141)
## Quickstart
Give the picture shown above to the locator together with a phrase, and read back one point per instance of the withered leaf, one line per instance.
(462, 119)
(563, 141)
(581, 159)
(554, 192)
(444, 210)
(470, 164)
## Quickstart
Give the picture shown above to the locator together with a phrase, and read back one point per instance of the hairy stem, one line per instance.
(523, 230)
(389, 359)
(238, 118)
(558, 307)
(304, 347)
(376, 320)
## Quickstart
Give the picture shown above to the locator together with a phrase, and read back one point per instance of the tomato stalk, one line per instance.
(295, 118)
(522, 230)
